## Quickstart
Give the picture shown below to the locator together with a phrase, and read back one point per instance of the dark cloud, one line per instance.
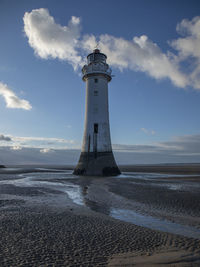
(181, 148)
(34, 156)
(5, 138)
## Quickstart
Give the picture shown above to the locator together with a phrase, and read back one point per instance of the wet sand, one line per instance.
(57, 219)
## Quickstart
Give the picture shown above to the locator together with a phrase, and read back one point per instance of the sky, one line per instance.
(153, 48)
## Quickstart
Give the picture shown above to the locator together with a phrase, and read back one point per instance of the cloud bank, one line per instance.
(38, 150)
(13, 101)
(187, 145)
(45, 144)
(51, 40)
(182, 149)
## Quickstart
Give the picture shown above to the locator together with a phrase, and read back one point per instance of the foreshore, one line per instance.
(181, 168)
(57, 219)
(163, 168)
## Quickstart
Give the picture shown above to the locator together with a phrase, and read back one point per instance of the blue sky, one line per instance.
(153, 48)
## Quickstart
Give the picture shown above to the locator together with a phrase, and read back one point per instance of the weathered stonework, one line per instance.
(100, 164)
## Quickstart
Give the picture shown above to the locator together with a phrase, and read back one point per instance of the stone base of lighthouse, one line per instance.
(97, 164)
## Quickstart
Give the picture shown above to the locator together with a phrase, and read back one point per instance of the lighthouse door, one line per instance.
(96, 128)
(95, 139)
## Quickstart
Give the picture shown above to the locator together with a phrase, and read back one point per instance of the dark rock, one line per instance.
(2, 166)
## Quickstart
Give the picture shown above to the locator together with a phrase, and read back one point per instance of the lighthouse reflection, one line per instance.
(85, 185)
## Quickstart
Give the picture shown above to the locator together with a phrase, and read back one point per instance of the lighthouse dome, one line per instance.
(96, 57)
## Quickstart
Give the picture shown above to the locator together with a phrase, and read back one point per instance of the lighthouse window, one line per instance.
(96, 80)
(95, 93)
(96, 128)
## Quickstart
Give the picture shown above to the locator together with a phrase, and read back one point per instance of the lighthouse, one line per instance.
(96, 155)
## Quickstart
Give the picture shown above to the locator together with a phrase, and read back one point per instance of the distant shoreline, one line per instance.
(163, 168)
(179, 168)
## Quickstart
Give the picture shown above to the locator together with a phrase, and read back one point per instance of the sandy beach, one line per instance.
(53, 218)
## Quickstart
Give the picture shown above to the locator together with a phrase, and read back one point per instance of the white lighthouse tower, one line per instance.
(96, 156)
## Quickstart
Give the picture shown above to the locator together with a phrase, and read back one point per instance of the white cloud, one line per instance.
(189, 47)
(141, 54)
(13, 101)
(75, 20)
(146, 131)
(45, 150)
(51, 40)
(43, 141)
(16, 148)
(47, 139)
(5, 138)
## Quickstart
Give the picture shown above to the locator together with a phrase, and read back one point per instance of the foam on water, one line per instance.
(74, 193)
